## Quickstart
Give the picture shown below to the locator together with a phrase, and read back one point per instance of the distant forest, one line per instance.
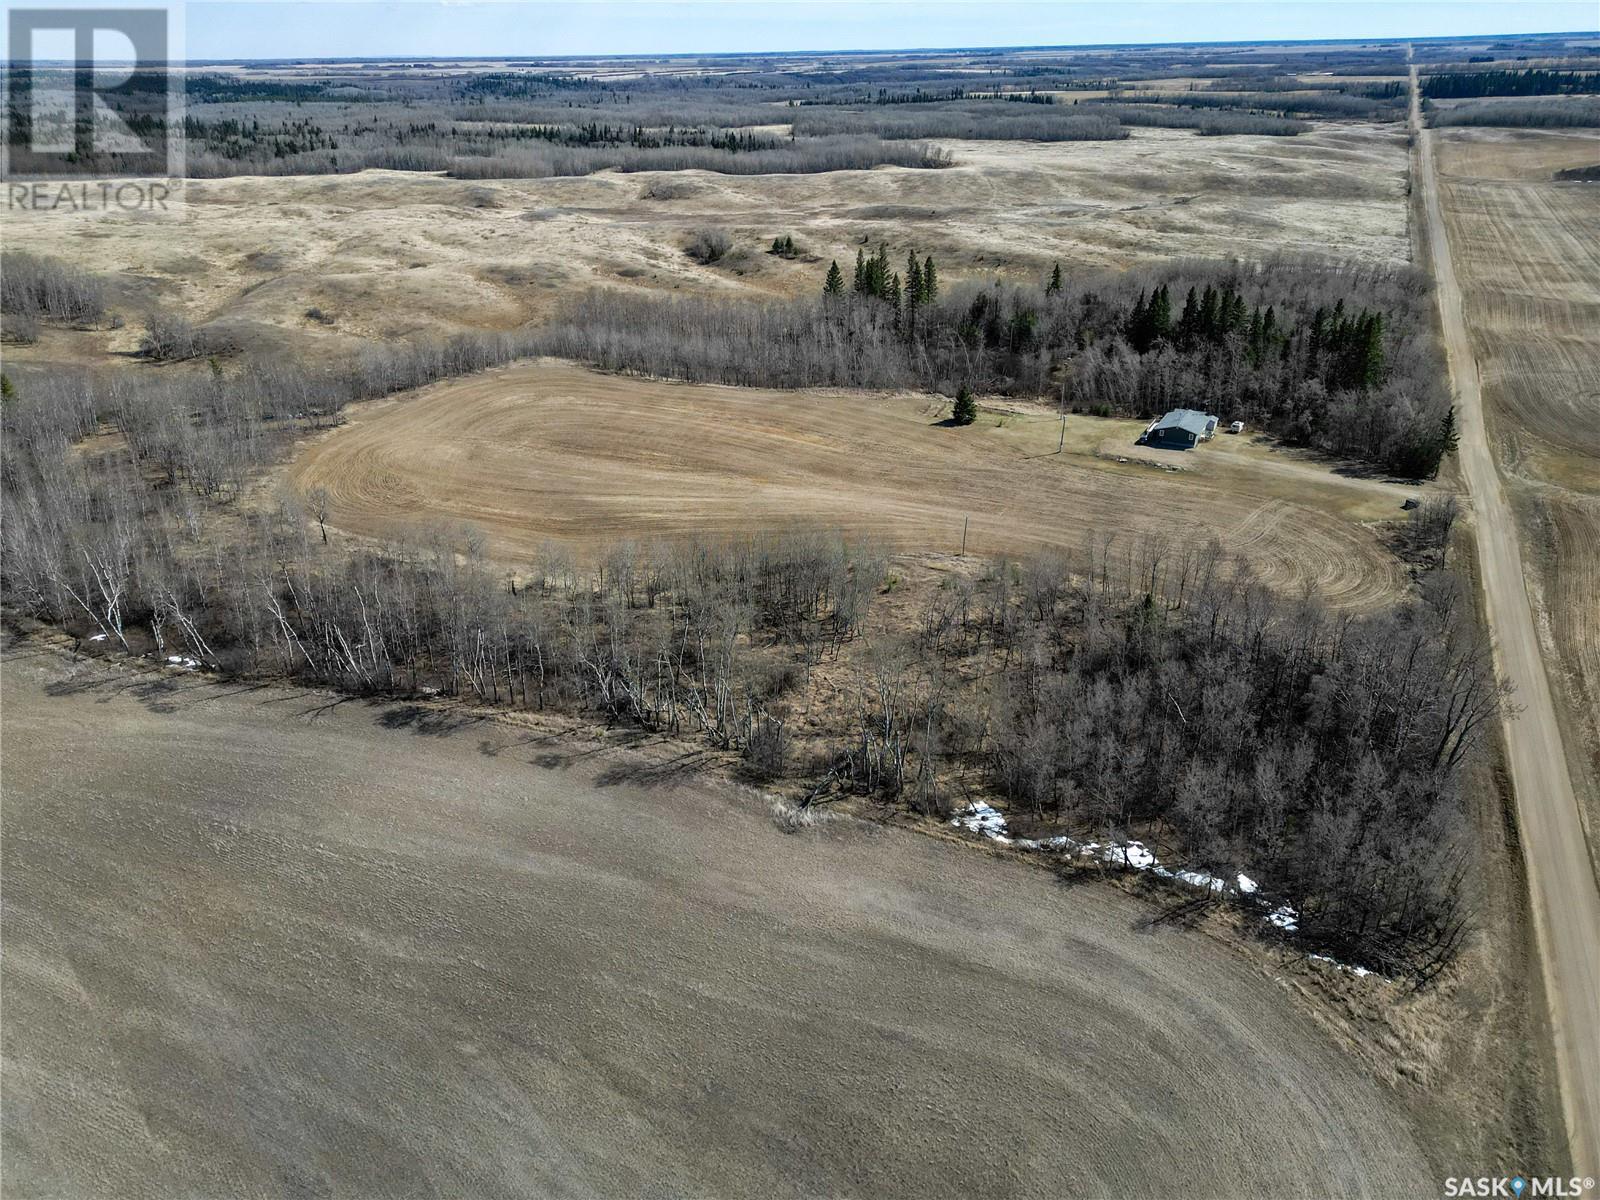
(1460, 85)
(742, 115)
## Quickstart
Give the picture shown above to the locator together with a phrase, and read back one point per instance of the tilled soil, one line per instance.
(1530, 281)
(262, 942)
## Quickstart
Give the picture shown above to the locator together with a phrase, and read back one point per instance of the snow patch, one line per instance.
(983, 818)
(1200, 879)
(1285, 918)
(178, 660)
(979, 817)
(1358, 972)
(99, 637)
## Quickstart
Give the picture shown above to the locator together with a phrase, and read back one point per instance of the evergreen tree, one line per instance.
(1138, 328)
(1189, 322)
(834, 284)
(930, 281)
(878, 271)
(1161, 312)
(1053, 288)
(1369, 370)
(1236, 319)
(8, 390)
(861, 272)
(1209, 324)
(1449, 436)
(913, 281)
(965, 410)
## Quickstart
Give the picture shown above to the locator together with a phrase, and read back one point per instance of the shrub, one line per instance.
(20, 329)
(172, 339)
(706, 246)
(766, 751)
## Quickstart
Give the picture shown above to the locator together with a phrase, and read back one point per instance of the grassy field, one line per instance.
(551, 452)
(1531, 278)
(261, 943)
(388, 254)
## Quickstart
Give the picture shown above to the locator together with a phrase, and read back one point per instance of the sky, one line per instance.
(256, 29)
(382, 28)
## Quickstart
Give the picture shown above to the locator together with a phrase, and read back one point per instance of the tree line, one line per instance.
(1463, 85)
(1570, 112)
(1338, 358)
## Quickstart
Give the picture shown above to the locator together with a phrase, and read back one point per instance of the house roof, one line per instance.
(1185, 418)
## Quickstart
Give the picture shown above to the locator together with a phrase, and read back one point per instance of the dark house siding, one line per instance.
(1171, 437)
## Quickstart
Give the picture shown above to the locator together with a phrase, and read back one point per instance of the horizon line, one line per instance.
(859, 51)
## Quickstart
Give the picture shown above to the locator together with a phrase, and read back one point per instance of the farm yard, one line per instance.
(548, 452)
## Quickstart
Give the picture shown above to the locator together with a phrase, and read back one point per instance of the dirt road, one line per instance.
(1561, 879)
(262, 943)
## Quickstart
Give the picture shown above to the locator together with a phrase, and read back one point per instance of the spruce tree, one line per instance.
(1161, 312)
(1189, 322)
(1449, 436)
(834, 284)
(965, 410)
(861, 271)
(1370, 367)
(1053, 288)
(913, 281)
(1138, 327)
(930, 282)
(1210, 325)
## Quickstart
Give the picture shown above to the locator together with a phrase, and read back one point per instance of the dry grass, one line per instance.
(398, 254)
(548, 451)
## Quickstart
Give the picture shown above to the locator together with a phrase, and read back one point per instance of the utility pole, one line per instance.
(964, 522)
(1062, 444)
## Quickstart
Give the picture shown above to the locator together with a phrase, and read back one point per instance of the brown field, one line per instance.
(547, 451)
(261, 943)
(390, 254)
(1526, 253)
